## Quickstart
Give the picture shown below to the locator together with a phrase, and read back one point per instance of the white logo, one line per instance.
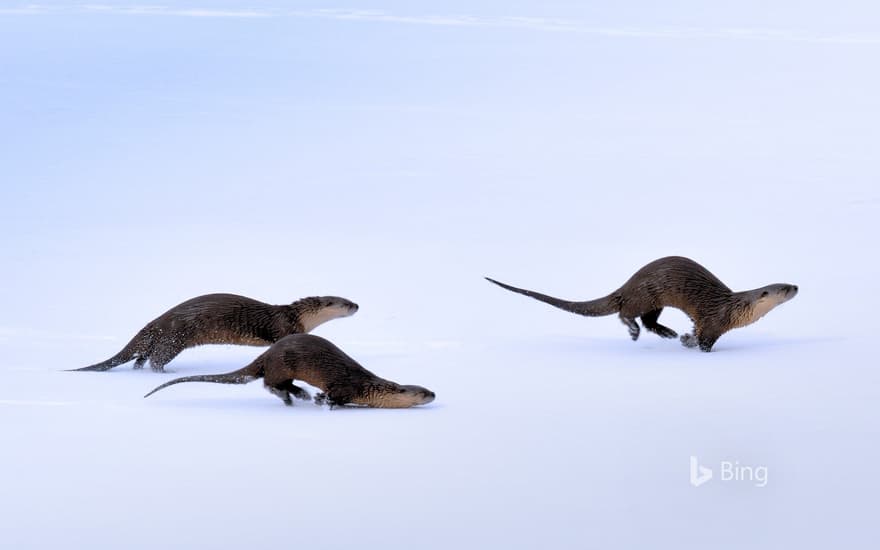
(730, 471)
(699, 474)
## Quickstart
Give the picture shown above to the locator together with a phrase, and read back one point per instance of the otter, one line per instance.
(683, 284)
(321, 364)
(223, 319)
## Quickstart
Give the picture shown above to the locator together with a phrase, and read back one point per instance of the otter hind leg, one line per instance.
(295, 390)
(650, 321)
(140, 361)
(632, 326)
(281, 393)
(163, 354)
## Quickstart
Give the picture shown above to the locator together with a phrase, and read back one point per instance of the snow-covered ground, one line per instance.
(396, 158)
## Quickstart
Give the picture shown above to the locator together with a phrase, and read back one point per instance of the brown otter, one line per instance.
(321, 364)
(223, 319)
(680, 283)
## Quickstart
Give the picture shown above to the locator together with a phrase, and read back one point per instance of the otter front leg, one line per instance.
(650, 321)
(705, 340)
(322, 399)
(334, 397)
(632, 326)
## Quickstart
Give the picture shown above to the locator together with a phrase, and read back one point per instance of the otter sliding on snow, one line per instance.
(683, 284)
(319, 363)
(223, 319)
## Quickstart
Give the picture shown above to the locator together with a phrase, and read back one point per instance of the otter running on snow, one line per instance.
(319, 363)
(223, 319)
(680, 283)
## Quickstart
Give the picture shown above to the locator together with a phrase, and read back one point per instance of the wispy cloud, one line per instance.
(542, 24)
(159, 10)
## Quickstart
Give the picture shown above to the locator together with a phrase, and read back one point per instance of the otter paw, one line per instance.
(689, 340)
(322, 399)
(282, 395)
(300, 393)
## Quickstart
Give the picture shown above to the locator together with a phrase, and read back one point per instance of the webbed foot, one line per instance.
(689, 340)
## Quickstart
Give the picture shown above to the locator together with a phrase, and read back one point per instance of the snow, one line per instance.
(280, 157)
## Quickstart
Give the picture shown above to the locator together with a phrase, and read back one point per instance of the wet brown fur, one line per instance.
(321, 364)
(223, 319)
(681, 283)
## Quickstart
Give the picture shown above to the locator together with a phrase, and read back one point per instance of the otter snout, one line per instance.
(348, 308)
(777, 293)
(428, 396)
(418, 395)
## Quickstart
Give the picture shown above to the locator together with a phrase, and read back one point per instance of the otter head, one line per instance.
(316, 310)
(396, 396)
(761, 300)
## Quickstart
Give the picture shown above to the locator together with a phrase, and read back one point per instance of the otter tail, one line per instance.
(591, 308)
(240, 376)
(131, 350)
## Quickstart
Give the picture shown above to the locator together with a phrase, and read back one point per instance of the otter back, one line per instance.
(223, 319)
(684, 284)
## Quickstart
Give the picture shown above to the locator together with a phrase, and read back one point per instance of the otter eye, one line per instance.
(765, 294)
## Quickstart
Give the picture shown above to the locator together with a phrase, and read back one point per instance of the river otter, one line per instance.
(680, 283)
(321, 364)
(223, 319)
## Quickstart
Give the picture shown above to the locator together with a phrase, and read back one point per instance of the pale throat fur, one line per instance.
(313, 318)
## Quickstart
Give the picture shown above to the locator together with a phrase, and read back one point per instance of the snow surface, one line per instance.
(149, 159)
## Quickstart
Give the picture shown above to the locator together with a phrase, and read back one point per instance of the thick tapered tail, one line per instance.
(127, 354)
(241, 376)
(139, 346)
(591, 308)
